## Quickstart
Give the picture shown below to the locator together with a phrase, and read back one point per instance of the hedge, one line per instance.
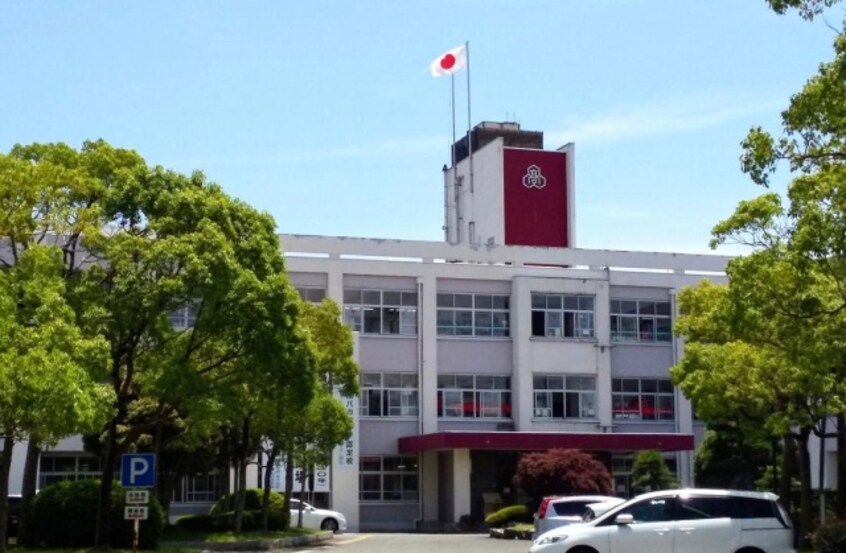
(507, 515)
(221, 517)
(65, 515)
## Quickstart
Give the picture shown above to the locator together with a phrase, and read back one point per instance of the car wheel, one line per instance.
(329, 524)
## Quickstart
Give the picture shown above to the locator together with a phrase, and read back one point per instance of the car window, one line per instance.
(648, 510)
(693, 508)
(570, 508)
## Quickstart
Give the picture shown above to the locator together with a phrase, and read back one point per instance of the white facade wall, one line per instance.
(517, 272)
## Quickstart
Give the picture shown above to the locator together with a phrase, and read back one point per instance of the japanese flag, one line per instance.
(450, 62)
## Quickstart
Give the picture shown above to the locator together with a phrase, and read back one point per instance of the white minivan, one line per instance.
(676, 521)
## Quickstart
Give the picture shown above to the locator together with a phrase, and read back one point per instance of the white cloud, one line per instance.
(669, 117)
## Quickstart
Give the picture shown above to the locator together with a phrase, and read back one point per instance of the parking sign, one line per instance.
(138, 470)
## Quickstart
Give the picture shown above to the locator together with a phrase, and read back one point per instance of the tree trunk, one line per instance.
(303, 479)
(102, 535)
(5, 469)
(788, 470)
(841, 466)
(241, 477)
(26, 529)
(805, 486)
(268, 474)
(289, 478)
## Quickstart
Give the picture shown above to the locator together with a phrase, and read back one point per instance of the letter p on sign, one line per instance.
(138, 470)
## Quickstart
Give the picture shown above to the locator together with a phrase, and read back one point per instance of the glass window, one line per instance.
(389, 478)
(388, 395)
(573, 397)
(641, 321)
(642, 399)
(471, 396)
(562, 316)
(473, 315)
(381, 312)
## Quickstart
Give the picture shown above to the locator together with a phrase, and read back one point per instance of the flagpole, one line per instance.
(469, 120)
(456, 198)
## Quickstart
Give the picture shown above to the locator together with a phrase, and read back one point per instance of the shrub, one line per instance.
(221, 517)
(561, 472)
(222, 522)
(252, 501)
(830, 537)
(65, 515)
(507, 515)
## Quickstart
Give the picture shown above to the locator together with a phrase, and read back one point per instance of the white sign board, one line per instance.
(320, 482)
(135, 512)
(137, 497)
(346, 454)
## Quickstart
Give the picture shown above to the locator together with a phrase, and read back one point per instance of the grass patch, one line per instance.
(523, 527)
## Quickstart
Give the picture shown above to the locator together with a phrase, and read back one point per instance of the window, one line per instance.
(202, 488)
(311, 294)
(184, 317)
(474, 396)
(562, 316)
(621, 471)
(473, 315)
(642, 399)
(565, 397)
(57, 467)
(641, 321)
(649, 510)
(381, 312)
(388, 479)
(388, 395)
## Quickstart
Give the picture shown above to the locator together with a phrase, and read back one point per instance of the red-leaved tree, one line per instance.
(562, 472)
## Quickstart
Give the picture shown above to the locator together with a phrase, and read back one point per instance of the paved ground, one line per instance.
(417, 543)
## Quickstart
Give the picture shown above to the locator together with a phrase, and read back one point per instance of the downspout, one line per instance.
(420, 402)
(676, 391)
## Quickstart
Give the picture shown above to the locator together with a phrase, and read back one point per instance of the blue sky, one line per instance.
(323, 113)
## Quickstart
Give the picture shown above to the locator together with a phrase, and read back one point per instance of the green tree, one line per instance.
(49, 371)
(309, 440)
(650, 472)
(731, 458)
(140, 242)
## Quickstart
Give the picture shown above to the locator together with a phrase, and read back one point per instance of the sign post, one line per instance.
(137, 470)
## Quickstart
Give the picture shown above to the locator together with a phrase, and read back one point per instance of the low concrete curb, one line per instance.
(252, 545)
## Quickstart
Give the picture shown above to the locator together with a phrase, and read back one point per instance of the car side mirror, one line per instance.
(625, 518)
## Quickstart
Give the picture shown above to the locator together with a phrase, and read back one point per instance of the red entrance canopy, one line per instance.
(536, 441)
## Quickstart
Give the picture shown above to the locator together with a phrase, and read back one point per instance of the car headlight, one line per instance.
(547, 540)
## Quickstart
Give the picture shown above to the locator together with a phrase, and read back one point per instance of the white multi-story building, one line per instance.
(502, 339)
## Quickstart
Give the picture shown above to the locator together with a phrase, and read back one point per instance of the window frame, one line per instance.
(394, 401)
(641, 321)
(486, 400)
(661, 396)
(561, 318)
(366, 309)
(567, 391)
(396, 469)
(468, 316)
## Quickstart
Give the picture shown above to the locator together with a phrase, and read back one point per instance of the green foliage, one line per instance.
(650, 472)
(65, 516)
(806, 8)
(561, 472)
(252, 501)
(222, 522)
(508, 515)
(830, 537)
(728, 458)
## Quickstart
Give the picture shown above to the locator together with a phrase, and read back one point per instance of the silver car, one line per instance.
(561, 511)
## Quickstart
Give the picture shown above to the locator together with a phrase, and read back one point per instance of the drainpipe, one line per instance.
(420, 402)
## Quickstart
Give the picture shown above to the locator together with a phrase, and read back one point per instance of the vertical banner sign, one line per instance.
(346, 454)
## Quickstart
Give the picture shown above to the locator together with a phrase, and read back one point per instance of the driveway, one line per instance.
(417, 543)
